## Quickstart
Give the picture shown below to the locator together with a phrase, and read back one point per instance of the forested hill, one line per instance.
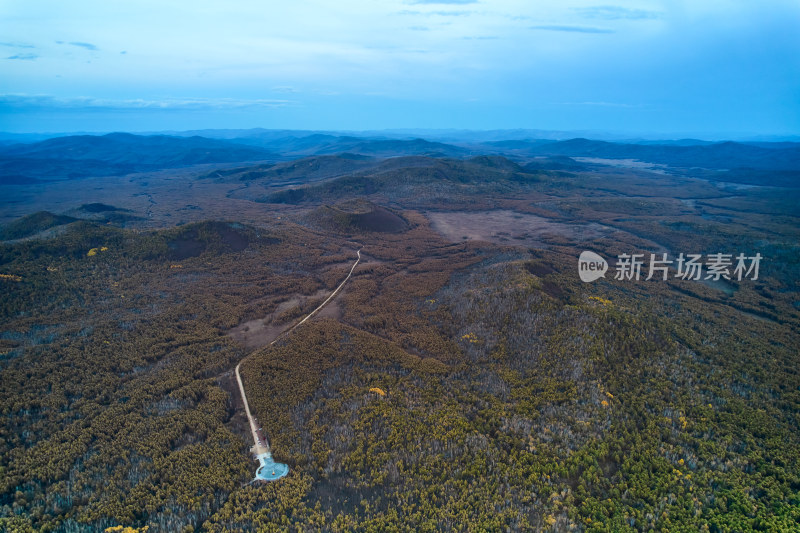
(116, 154)
(454, 384)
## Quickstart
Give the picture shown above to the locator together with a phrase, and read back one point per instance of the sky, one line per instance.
(713, 68)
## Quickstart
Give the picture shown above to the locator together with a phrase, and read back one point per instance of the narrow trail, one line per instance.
(269, 470)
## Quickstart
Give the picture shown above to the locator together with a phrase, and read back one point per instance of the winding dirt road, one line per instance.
(260, 442)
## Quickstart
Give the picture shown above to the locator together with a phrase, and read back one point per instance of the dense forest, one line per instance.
(453, 385)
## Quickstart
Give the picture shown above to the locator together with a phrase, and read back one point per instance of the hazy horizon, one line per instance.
(447, 135)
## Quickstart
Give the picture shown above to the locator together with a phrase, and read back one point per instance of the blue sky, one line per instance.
(710, 67)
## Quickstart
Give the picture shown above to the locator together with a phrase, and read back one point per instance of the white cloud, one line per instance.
(87, 102)
(616, 13)
(572, 29)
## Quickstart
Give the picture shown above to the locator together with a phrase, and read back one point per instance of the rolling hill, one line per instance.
(114, 154)
(358, 216)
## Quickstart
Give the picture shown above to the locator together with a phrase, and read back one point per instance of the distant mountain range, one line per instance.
(724, 155)
(73, 157)
(115, 154)
(320, 144)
